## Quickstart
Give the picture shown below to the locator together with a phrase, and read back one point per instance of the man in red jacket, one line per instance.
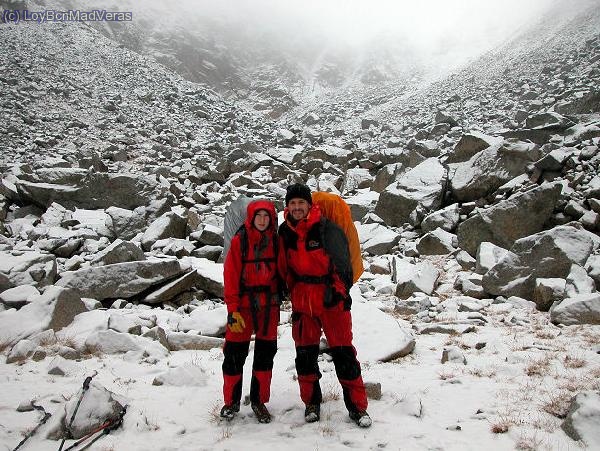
(251, 295)
(314, 262)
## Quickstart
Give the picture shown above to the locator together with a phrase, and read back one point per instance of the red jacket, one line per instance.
(258, 273)
(310, 274)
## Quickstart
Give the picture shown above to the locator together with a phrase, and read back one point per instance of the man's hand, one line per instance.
(236, 322)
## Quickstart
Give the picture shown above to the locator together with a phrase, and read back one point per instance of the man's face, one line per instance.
(298, 208)
(262, 220)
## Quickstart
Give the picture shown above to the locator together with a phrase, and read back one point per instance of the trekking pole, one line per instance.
(86, 385)
(107, 427)
(33, 431)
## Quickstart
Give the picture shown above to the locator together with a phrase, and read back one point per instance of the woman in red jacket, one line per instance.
(251, 295)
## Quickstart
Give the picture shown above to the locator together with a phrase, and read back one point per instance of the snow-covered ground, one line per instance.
(519, 371)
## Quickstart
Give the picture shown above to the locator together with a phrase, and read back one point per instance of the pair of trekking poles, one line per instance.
(101, 431)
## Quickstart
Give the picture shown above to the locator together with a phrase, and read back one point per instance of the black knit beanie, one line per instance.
(298, 190)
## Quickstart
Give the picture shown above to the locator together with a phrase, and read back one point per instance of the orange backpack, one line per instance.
(334, 208)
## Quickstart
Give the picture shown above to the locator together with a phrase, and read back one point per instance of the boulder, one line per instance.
(55, 309)
(490, 168)
(118, 251)
(469, 144)
(417, 192)
(179, 341)
(169, 225)
(520, 215)
(488, 255)
(550, 253)
(547, 291)
(19, 296)
(120, 280)
(581, 423)
(446, 219)
(28, 268)
(411, 278)
(580, 309)
(437, 242)
(125, 224)
(84, 189)
(173, 288)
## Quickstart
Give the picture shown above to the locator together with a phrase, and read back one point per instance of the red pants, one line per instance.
(337, 326)
(235, 351)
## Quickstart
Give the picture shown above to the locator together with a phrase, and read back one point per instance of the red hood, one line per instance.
(254, 207)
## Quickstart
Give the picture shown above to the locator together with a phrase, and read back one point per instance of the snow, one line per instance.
(425, 404)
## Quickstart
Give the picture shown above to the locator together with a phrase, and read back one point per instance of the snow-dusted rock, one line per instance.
(469, 144)
(453, 354)
(54, 309)
(123, 324)
(171, 289)
(547, 291)
(169, 225)
(491, 168)
(120, 280)
(413, 278)
(183, 376)
(125, 224)
(437, 242)
(210, 275)
(97, 406)
(28, 268)
(521, 215)
(417, 192)
(73, 187)
(580, 309)
(21, 351)
(179, 341)
(118, 251)
(488, 255)
(446, 219)
(371, 325)
(19, 296)
(578, 282)
(546, 254)
(581, 423)
(206, 322)
(381, 239)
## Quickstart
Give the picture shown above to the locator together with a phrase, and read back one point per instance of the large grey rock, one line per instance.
(469, 144)
(118, 251)
(547, 291)
(489, 169)
(412, 278)
(180, 341)
(488, 255)
(125, 224)
(19, 296)
(210, 275)
(520, 215)
(169, 225)
(173, 288)
(54, 309)
(120, 280)
(581, 423)
(447, 219)
(418, 192)
(580, 309)
(29, 268)
(381, 240)
(386, 175)
(437, 242)
(84, 189)
(550, 253)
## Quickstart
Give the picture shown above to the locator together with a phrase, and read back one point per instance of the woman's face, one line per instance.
(261, 220)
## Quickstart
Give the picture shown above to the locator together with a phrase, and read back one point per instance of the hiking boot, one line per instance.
(228, 411)
(312, 413)
(361, 418)
(261, 412)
